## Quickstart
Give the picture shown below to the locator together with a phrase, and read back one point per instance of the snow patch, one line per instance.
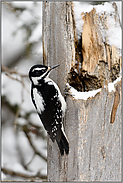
(114, 33)
(35, 120)
(15, 89)
(82, 7)
(111, 86)
(85, 95)
(78, 18)
(82, 95)
(10, 88)
(28, 20)
(106, 7)
(9, 153)
(23, 4)
(12, 45)
(21, 121)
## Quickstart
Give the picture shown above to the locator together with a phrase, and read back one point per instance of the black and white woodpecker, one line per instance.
(50, 104)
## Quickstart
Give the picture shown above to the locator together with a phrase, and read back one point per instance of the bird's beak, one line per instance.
(53, 67)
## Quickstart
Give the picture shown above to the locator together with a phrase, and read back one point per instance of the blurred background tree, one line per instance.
(24, 148)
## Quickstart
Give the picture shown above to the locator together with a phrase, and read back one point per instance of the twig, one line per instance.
(32, 145)
(16, 117)
(24, 175)
(9, 73)
(6, 69)
(13, 108)
(30, 160)
(19, 108)
(16, 79)
(37, 130)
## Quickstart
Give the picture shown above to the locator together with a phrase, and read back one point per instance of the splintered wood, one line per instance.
(100, 49)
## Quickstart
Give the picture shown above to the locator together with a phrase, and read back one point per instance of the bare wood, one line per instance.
(96, 46)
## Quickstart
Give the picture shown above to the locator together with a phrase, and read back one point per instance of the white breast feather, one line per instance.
(38, 101)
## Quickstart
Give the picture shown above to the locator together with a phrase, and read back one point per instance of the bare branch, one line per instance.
(6, 69)
(9, 73)
(32, 145)
(19, 107)
(30, 160)
(24, 175)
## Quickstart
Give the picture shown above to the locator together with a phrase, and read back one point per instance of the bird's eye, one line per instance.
(37, 73)
(43, 71)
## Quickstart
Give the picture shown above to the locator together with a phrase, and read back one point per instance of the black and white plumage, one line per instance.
(49, 103)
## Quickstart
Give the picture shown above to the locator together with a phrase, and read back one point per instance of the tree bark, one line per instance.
(93, 126)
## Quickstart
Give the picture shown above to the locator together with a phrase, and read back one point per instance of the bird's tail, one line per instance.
(63, 144)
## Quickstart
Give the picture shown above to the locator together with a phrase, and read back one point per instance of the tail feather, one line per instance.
(61, 147)
(63, 144)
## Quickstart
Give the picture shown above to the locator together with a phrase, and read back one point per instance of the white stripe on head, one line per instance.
(38, 69)
(35, 79)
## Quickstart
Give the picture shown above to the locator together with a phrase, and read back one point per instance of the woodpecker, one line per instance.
(50, 104)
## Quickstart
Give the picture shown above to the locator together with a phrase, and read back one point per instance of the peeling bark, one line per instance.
(116, 103)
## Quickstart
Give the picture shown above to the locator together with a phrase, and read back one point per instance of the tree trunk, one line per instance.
(93, 126)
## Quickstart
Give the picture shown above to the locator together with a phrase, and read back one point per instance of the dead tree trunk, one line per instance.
(93, 126)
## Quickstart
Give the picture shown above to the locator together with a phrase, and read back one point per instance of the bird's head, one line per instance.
(38, 73)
